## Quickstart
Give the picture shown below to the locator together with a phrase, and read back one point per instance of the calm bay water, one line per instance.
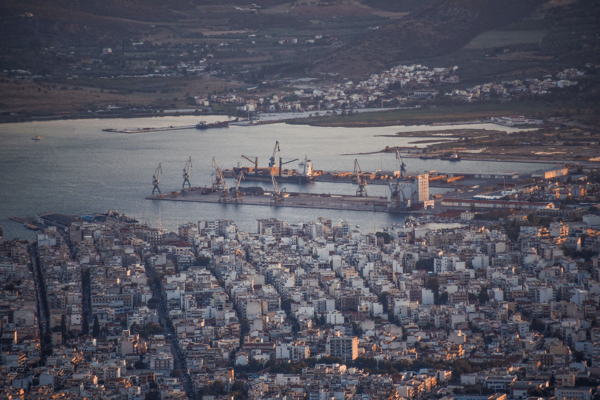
(76, 168)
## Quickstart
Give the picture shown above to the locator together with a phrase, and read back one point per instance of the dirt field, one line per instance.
(546, 144)
(56, 99)
(342, 10)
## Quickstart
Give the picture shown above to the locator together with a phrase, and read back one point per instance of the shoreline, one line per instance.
(274, 118)
(293, 118)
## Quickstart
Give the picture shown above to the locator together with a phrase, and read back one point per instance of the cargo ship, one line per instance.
(303, 174)
(203, 125)
(451, 157)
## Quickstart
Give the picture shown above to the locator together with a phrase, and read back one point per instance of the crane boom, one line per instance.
(219, 183)
(362, 183)
(273, 158)
(275, 189)
(186, 174)
(402, 165)
(255, 162)
(156, 179)
(237, 182)
(281, 164)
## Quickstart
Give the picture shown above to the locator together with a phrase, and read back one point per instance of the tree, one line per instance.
(85, 325)
(385, 235)
(472, 297)
(425, 263)
(533, 219)
(202, 261)
(356, 329)
(433, 285)
(443, 298)
(96, 327)
(63, 327)
(175, 373)
(134, 328)
(238, 390)
(286, 305)
(153, 303)
(483, 296)
(153, 395)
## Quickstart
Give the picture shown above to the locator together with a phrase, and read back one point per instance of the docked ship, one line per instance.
(203, 125)
(451, 157)
(303, 174)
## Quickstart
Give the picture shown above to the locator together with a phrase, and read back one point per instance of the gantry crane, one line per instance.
(255, 162)
(219, 183)
(273, 158)
(281, 164)
(156, 179)
(362, 183)
(186, 174)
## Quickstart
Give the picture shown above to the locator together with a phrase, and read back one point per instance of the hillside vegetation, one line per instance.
(437, 29)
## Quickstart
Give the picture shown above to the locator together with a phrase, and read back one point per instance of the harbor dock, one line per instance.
(291, 199)
(147, 130)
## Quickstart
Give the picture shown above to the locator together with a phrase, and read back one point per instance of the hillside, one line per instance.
(437, 29)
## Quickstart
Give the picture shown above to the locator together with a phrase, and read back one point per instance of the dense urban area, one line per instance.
(481, 301)
(485, 288)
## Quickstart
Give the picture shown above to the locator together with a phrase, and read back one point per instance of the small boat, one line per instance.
(204, 125)
(36, 138)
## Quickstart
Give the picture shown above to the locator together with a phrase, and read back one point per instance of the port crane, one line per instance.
(238, 180)
(226, 195)
(398, 200)
(273, 158)
(281, 164)
(186, 174)
(255, 162)
(362, 182)
(402, 165)
(156, 179)
(219, 183)
(277, 194)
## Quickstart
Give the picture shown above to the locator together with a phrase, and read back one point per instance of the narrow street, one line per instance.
(42, 301)
(86, 301)
(178, 356)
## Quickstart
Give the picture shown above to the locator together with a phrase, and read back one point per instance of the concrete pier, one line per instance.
(148, 130)
(292, 199)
